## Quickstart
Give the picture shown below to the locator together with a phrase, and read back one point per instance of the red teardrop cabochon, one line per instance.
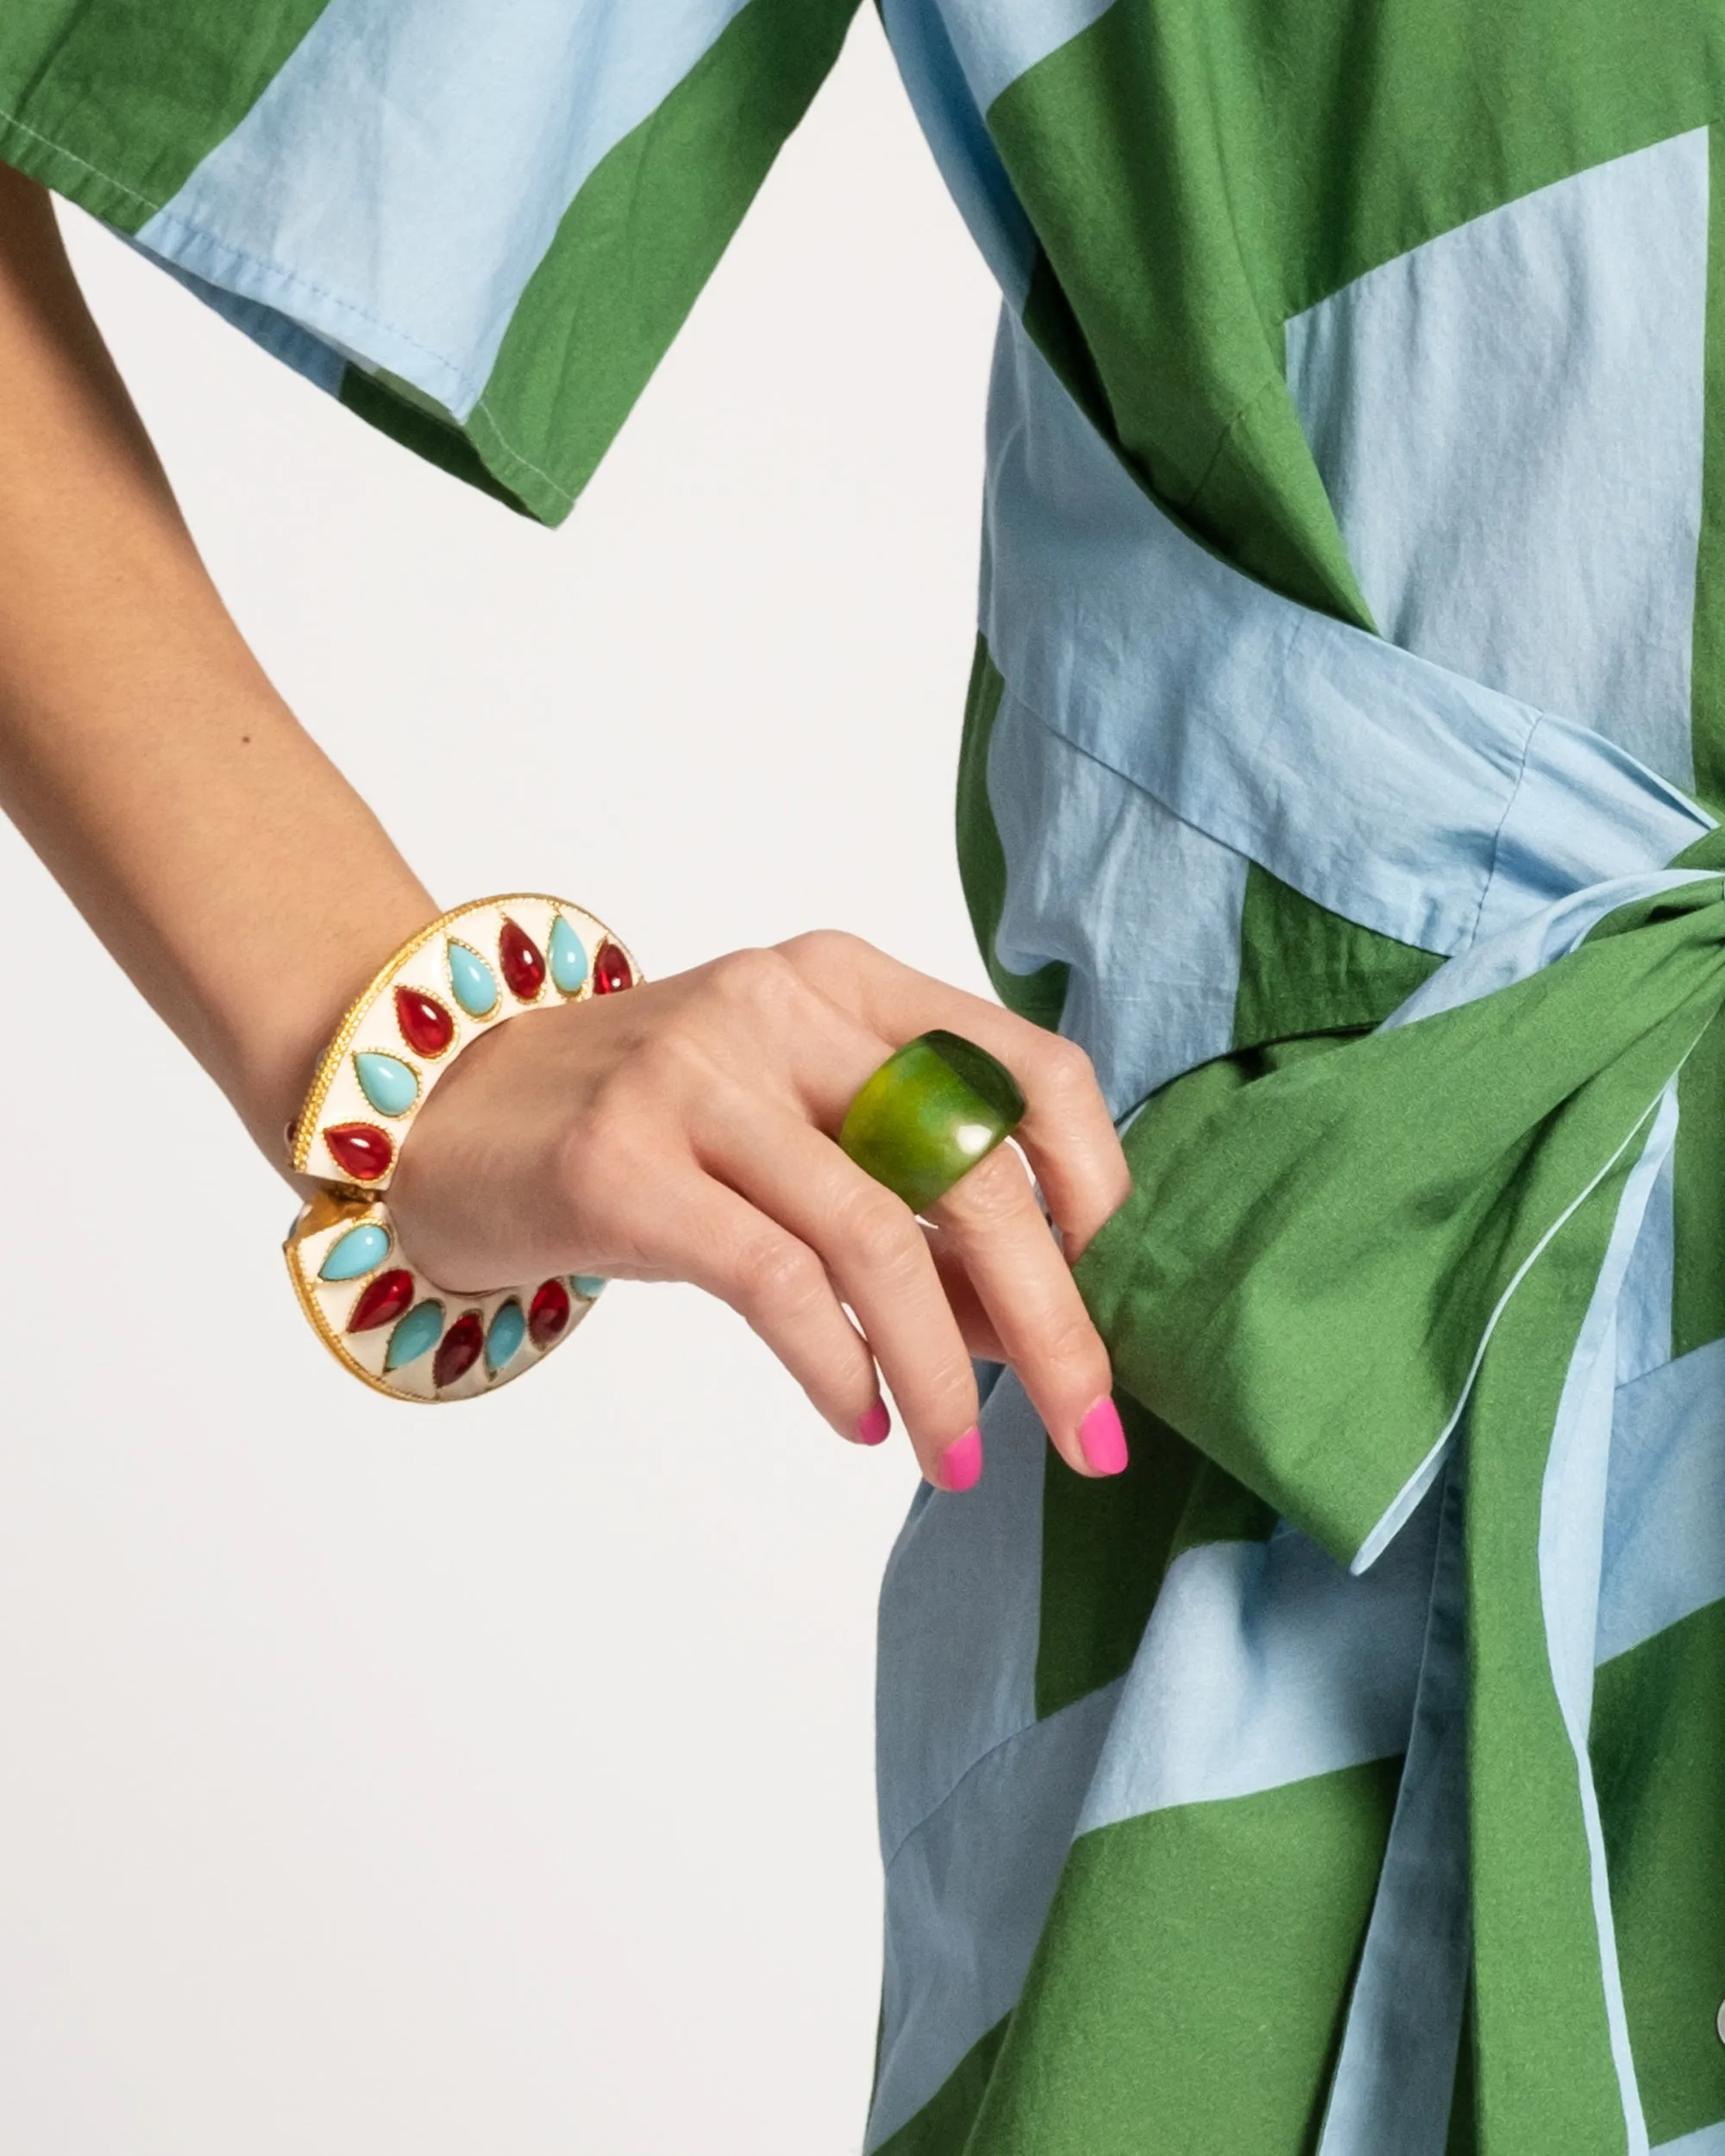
(549, 1313)
(523, 963)
(426, 1026)
(382, 1302)
(459, 1349)
(611, 971)
(360, 1149)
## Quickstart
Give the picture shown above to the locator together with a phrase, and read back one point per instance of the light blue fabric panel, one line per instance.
(996, 41)
(1584, 811)
(282, 338)
(954, 128)
(1262, 1664)
(1644, 1320)
(1144, 908)
(1508, 421)
(1665, 1516)
(1373, 780)
(1707, 2140)
(1572, 1508)
(1534, 941)
(961, 1620)
(399, 181)
(1394, 2077)
(966, 1897)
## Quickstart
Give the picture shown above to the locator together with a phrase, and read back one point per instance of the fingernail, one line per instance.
(1102, 1440)
(874, 1427)
(960, 1467)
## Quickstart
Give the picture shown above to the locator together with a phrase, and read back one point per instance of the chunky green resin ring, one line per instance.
(929, 1114)
(381, 1319)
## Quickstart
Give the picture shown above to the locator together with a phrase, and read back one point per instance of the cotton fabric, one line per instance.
(1348, 1776)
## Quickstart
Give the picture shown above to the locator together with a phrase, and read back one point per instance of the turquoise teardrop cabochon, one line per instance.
(508, 1331)
(472, 981)
(389, 1084)
(568, 957)
(588, 1286)
(418, 1331)
(361, 1250)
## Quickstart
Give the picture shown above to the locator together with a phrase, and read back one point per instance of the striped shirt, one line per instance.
(1348, 1776)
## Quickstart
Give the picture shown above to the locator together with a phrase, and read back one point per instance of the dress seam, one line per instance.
(1502, 825)
(1036, 1721)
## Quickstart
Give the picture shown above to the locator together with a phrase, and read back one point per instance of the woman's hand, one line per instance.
(679, 1131)
(683, 1132)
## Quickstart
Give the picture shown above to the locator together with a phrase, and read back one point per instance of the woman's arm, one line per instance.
(678, 1132)
(224, 861)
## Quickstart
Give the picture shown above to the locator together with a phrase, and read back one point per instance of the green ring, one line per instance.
(929, 1114)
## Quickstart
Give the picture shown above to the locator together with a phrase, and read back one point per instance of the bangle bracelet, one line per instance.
(457, 978)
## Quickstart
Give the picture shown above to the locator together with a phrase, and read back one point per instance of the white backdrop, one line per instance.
(501, 1779)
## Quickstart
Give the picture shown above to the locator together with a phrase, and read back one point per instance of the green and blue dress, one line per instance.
(1347, 718)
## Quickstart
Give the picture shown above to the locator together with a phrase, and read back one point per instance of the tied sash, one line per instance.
(1322, 1275)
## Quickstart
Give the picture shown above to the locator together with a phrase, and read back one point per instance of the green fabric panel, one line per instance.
(1697, 1179)
(1105, 1544)
(1545, 2081)
(1698, 1176)
(1144, 275)
(114, 102)
(1040, 996)
(1304, 970)
(1462, 2139)
(1281, 152)
(396, 408)
(1659, 1759)
(1218, 1509)
(1266, 1217)
(942, 2126)
(1706, 651)
(636, 245)
(1187, 1990)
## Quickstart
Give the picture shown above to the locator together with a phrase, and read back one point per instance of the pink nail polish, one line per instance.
(874, 1427)
(960, 1467)
(1102, 1440)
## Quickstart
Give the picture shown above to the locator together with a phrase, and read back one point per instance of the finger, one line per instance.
(778, 1284)
(1024, 1283)
(1067, 1134)
(973, 1319)
(878, 1257)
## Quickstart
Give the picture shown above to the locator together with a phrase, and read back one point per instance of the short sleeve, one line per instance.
(478, 222)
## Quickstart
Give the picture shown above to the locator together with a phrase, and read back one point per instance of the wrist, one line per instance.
(279, 1020)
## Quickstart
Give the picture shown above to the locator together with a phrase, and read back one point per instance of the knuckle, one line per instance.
(946, 1398)
(755, 978)
(995, 1190)
(823, 947)
(1064, 1069)
(775, 1275)
(1068, 1342)
(880, 1232)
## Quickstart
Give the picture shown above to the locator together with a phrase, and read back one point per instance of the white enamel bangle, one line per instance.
(457, 978)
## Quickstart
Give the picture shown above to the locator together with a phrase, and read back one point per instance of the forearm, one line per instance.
(228, 866)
